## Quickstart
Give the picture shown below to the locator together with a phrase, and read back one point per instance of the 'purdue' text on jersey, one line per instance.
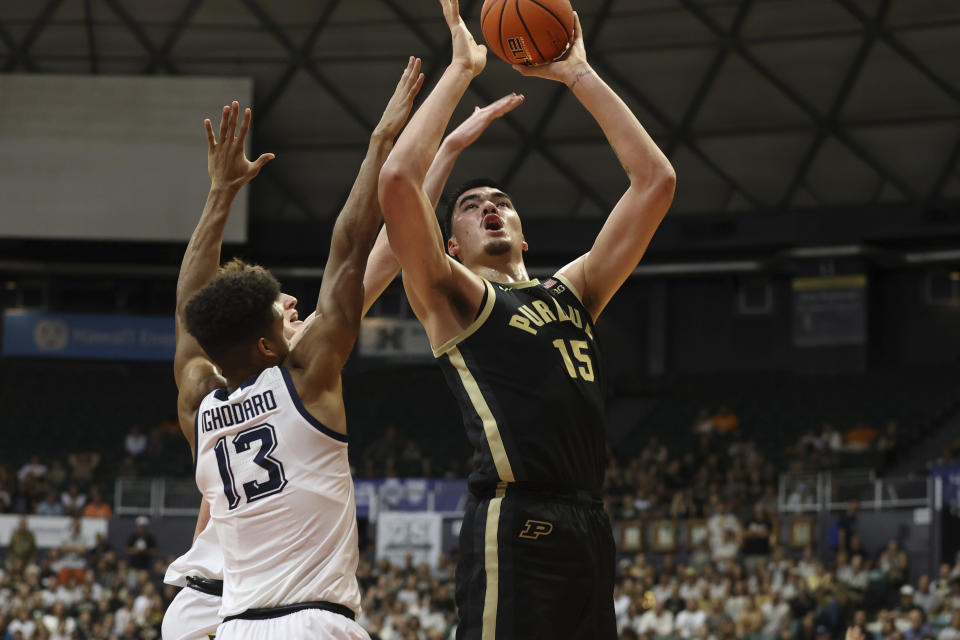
(528, 379)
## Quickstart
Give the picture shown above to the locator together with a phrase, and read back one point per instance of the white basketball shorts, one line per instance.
(307, 624)
(193, 615)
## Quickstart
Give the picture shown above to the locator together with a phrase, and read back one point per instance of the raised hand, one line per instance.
(471, 128)
(466, 51)
(227, 162)
(570, 68)
(401, 102)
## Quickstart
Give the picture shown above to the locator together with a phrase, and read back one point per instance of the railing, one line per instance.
(157, 497)
(834, 490)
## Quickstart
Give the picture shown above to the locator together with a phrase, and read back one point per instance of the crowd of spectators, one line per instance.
(390, 457)
(74, 484)
(87, 589)
(52, 488)
(744, 583)
(721, 470)
(825, 449)
(83, 588)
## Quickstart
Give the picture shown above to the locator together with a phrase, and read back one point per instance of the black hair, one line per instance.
(235, 307)
(449, 204)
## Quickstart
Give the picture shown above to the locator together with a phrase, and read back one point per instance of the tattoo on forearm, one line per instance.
(580, 74)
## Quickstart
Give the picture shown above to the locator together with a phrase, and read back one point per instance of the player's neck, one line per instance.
(237, 377)
(509, 272)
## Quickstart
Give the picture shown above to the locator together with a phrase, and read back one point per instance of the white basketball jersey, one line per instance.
(281, 495)
(204, 560)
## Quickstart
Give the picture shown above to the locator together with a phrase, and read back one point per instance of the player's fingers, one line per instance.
(577, 31)
(417, 86)
(234, 116)
(501, 102)
(449, 9)
(405, 78)
(208, 127)
(247, 118)
(224, 117)
(510, 104)
(262, 160)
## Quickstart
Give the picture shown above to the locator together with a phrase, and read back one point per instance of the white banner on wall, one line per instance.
(400, 534)
(50, 531)
(110, 157)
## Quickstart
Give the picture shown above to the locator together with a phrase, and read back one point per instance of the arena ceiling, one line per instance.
(761, 105)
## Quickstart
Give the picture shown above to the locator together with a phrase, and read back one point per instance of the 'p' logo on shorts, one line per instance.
(533, 529)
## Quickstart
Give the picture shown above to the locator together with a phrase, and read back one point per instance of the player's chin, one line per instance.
(292, 328)
(497, 246)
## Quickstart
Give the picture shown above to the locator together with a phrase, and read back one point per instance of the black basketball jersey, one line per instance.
(527, 376)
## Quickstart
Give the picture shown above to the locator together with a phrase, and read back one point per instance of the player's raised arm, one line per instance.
(445, 297)
(229, 170)
(624, 237)
(328, 338)
(382, 267)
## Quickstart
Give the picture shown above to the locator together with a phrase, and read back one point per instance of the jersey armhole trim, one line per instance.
(489, 297)
(565, 280)
(309, 417)
(196, 439)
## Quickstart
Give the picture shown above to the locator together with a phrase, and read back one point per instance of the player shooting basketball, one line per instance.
(522, 357)
(194, 612)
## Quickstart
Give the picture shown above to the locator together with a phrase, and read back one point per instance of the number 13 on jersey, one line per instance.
(257, 488)
(579, 350)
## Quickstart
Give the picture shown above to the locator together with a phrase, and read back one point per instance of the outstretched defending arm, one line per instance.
(328, 337)
(444, 294)
(622, 241)
(229, 170)
(382, 267)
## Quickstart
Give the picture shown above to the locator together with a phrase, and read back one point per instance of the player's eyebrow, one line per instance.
(476, 196)
(468, 198)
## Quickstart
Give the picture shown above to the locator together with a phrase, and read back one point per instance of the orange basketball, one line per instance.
(527, 31)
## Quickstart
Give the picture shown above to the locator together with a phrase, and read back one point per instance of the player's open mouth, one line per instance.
(492, 222)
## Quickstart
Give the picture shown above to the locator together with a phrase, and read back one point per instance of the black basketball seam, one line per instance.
(532, 39)
(554, 16)
(503, 8)
(483, 18)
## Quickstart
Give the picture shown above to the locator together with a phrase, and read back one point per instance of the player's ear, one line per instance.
(523, 244)
(453, 248)
(268, 348)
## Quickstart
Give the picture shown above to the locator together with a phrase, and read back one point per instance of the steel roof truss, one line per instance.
(839, 133)
(348, 106)
(21, 54)
(849, 81)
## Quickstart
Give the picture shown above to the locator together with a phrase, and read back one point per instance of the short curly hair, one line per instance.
(234, 308)
(450, 201)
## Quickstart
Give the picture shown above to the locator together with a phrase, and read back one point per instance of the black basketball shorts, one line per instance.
(535, 567)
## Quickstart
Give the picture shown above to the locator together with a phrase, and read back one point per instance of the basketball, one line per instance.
(528, 32)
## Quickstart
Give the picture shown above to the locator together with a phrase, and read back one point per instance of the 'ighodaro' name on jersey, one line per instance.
(527, 376)
(281, 497)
